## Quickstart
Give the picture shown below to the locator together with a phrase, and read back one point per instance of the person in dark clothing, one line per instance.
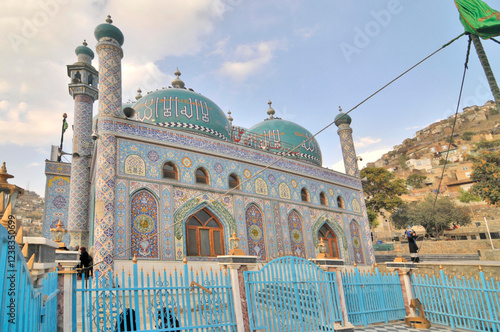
(85, 261)
(412, 243)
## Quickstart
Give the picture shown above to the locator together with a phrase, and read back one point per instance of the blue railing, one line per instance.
(24, 307)
(178, 301)
(292, 294)
(373, 297)
(460, 302)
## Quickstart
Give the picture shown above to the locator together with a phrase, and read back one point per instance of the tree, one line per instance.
(486, 176)
(415, 180)
(435, 219)
(381, 192)
(467, 196)
(468, 135)
(402, 159)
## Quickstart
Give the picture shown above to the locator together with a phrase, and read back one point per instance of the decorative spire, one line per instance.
(84, 42)
(109, 20)
(177, 82)
(139, 96)
(4, 175)
(340, 109)
(229, 117)
(271, 110)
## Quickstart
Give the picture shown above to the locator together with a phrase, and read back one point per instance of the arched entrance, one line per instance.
(330, 240)
(205, 235)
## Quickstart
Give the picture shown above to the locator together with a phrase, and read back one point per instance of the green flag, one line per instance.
(65, 125)
(478, 18)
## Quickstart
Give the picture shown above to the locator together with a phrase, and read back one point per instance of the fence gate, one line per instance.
(373, 297)
(185, 300)
(292, 294)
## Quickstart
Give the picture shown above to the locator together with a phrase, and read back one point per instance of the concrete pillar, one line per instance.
(236, 266)
(337, 266)
(66, 312)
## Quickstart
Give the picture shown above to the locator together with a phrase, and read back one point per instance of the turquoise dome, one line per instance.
(342, 118)
(279, 136)
(85, 50)
(183, 109)
(108, 30)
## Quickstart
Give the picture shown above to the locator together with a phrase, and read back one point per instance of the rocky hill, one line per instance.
(422, 158)
(29, 210)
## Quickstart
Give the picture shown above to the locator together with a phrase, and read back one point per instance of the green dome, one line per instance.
(183, 109)
(279, 136)
(85, 50)
(342, 118)
(108, 30)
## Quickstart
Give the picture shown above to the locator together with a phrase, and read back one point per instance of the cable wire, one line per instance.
(297, 146)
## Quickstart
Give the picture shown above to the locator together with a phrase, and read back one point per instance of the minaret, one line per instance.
(110, 39)
(343, 121)
(83, 89)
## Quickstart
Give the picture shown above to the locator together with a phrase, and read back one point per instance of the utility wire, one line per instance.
(452, 131)
(305, 141)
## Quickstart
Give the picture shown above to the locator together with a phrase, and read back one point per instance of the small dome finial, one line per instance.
(340, 108)
(139, 96)
(177, 82)
(84, 42)
(109, 20)
(229, 117)
(271, 110)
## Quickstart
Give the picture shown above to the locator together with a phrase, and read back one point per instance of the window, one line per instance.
(169, 171)
(201, 176)
(330, 240)
(305, 195)
(482, 236)
(433, 149)
(340, 202)
(322, 199)
(473, 237)
(233, 181)
(204, 235)
(464, 168)
(444, 147)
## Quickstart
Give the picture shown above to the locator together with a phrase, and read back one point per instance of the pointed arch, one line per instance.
(335, 226)
(144, 225)
(295, 222)
(357, 244)
(329, 238)
(135, 165)
(192, 206)
(254, 218)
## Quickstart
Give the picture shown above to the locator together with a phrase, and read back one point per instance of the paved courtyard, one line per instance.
(396, 327)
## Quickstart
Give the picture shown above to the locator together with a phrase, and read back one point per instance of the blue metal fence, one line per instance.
(373, 297)
(460, 302)
(24, 307)
(292, 294)
(179, 301)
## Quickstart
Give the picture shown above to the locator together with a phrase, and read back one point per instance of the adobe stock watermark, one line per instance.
(11, 270)
(31, 25)
(363, 35)
(482, 93)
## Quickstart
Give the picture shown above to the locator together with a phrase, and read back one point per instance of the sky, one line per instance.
(307, 57)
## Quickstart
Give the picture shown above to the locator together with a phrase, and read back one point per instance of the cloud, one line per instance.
(368, 157)
(39, 39)
(413, 128)
(366, 141)
(307, 32)
(249, 59)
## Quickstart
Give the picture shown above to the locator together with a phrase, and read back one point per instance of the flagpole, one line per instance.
(487, 69)
(62, 137)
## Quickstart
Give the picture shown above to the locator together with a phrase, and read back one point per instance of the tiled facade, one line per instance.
(136, 211)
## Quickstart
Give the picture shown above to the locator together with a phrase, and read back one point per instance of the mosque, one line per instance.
(169, 177)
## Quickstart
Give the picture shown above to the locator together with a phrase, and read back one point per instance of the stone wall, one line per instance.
(428, 247)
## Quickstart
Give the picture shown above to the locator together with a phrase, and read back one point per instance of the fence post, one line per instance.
(236, 266)
(66, 299)
(404, 270)
(337, 266)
